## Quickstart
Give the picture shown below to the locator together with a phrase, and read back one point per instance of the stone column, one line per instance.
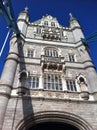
(92, 76)
(41, 82)
(7, 78)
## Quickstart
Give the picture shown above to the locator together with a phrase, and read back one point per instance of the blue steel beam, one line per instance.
(7, 11)
(92, 37)
(4, 12)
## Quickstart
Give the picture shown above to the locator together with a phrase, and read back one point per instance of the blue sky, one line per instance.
(84, 10)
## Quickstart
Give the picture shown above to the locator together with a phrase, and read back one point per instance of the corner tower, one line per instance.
(49, 79)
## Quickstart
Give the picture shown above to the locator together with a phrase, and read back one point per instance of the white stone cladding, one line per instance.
(67, 41)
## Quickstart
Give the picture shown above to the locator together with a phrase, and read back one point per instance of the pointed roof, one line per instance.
(71, 17)
(26, 9)
(47, 18)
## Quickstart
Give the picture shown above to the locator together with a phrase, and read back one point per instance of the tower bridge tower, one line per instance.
(49, 80)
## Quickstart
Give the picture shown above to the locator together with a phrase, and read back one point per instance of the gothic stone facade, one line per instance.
(48, 77)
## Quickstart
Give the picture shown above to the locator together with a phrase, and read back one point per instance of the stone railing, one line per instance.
(51, 59)
(51, 34)
(55, 63)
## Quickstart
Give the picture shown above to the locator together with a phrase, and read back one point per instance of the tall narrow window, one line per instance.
(38, 30)
(71, 85)
(33, 82)
(52, 82)
(51, 52)
(71, 58)
(53, 24)
(30, 53)
(45, 23)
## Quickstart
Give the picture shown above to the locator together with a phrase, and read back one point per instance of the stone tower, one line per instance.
(49, 80)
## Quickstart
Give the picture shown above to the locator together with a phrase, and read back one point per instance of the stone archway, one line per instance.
(53, 126)
(62, 120)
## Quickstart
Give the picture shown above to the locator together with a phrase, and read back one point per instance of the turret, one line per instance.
(75, 27)
(90, 69)
(23, 20)
(8, 74)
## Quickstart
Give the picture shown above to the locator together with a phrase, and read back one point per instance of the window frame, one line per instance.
(71, 85)
(30, 53)
(71, 57)
(52, 24)
(45, 23)
(32, 82)
(38, 30)
(50, 52)
(52, 82)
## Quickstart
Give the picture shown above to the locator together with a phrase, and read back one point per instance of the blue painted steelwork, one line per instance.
(91, 38)
(7, 11)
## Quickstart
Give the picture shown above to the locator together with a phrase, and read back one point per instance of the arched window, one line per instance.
(81, 79)
(82, 82)
(51, 52)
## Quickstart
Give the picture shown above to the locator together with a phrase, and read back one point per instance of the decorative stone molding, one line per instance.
(83, 86)
(22, 81)
(53, 63)
(84, 95)
(53, 116)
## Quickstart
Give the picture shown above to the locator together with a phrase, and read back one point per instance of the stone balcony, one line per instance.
(51, 34)
(53, 63)
(51, 37)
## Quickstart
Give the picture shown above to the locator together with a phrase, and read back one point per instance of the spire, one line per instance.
(24, 19)
(71, 17)
(26, 9)
(73, 21)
